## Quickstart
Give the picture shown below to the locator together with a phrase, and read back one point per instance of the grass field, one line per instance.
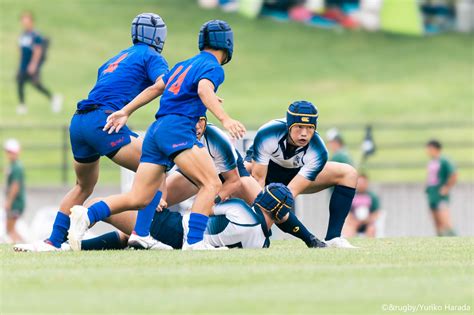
(285, 279)
(353, 77)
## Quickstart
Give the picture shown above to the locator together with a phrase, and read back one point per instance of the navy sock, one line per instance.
(98, 211)
(294, 227)
(145, 216)
(60, 228)
(103, 242)
(339, 206)
(197, 226)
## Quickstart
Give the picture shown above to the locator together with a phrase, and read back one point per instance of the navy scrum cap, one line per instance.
(275, 199)
(218, 35)
(302, 113)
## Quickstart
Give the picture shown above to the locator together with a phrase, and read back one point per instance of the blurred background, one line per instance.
(386, 76)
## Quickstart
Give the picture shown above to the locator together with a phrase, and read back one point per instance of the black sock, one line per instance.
(339, 207)
(103, 242)
(294, 227)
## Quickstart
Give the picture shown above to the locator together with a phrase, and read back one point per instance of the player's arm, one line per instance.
(35, 59)
(118, 119)
(214, 104)
(298, 184)
(231, 184)
(13, 192)
(449, 184)
(259, 172)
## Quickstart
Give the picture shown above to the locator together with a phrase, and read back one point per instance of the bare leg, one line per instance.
(443, 220)
(333, 174)
(249, 190)
(179, 188)
(129, 155)
(87, 175)
(11, 230)
(197, 164)
(147, 181)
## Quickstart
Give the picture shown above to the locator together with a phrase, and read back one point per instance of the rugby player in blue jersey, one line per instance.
(119, 80)
(188, 90)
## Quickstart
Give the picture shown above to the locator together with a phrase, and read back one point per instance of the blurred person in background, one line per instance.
(364, 211)
(15, 193)
(441, 178)
(33, 51)
(335, 144)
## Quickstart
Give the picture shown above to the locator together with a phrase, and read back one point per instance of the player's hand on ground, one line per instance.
(235, 128)
(162, 205)
(116, 121)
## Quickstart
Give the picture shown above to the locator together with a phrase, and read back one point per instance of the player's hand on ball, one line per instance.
(234, 127)
(116, 121)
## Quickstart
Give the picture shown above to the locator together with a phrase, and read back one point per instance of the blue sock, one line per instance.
(197, 226)
(294, 227)
(98, 211)
(145, 216)
(107, 241)
(339, 206)
(60, 228)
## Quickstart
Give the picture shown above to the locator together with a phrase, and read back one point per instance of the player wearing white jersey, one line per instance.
(291, 152)
(233, 223)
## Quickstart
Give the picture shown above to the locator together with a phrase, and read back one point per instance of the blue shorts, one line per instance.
(89, 141)
(167, 137)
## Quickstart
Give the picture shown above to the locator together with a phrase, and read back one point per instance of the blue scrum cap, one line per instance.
(149, 28)
(275, 199)
(302, 113)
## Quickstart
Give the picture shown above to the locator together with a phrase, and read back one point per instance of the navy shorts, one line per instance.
(167, 137)
(167, 227)
(89, 141)
(279, 174)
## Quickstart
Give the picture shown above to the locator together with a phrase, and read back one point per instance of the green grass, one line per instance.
(286, 279)
(353, 77)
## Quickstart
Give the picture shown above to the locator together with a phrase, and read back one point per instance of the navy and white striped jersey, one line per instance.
(220, 148)
(270, 145)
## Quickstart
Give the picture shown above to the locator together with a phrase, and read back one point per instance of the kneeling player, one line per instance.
(234, 223)
(291, 152)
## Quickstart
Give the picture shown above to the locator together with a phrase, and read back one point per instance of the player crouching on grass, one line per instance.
(188, 90)
(291, 152)
(237, 182)
(233, 224)
(119, 80)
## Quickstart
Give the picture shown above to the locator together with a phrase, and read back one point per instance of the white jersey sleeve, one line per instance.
(220, 148)
(266, 141)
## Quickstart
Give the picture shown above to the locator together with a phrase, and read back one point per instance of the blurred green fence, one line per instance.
(400, 155)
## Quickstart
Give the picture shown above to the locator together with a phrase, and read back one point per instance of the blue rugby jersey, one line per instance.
(124, 76)
(270, 145)
(181, 93)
